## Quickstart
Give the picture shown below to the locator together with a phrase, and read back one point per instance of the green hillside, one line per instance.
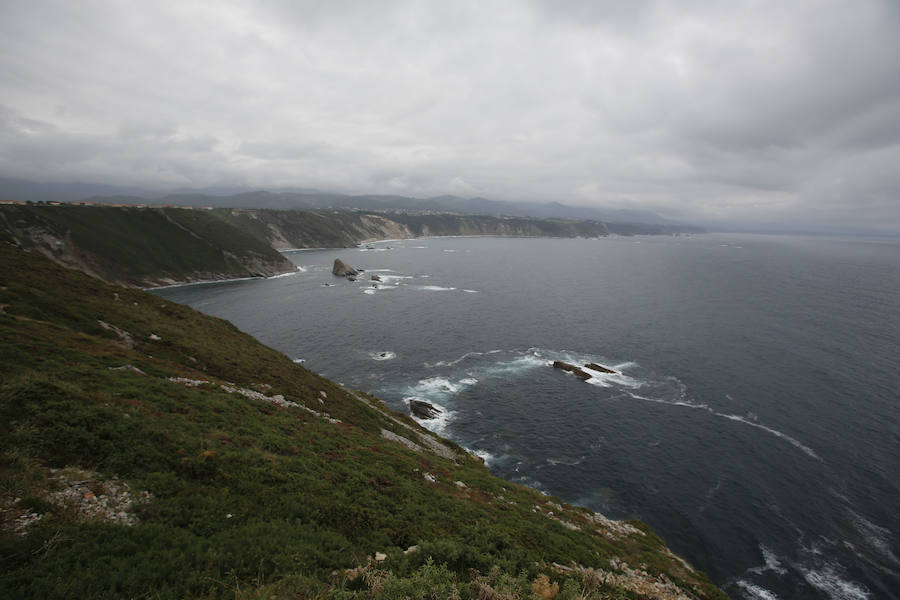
(141, 246)
(149, 451)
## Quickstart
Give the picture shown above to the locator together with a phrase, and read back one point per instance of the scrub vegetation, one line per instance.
(150, 451)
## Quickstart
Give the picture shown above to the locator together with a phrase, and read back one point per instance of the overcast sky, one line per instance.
(757, 111)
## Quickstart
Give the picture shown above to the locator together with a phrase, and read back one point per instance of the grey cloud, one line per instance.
(715, 111)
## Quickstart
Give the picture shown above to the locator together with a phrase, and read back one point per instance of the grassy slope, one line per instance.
(249, 499)
(304, 229)
(138, 246)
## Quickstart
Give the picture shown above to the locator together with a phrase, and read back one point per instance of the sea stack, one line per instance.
(342, 269)
(577, 371)
(423, 410)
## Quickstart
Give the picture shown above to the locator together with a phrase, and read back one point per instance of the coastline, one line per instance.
(227, 280)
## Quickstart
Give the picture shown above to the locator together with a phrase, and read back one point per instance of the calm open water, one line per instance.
(754, 421)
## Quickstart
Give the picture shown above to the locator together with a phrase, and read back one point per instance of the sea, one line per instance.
(753, 419)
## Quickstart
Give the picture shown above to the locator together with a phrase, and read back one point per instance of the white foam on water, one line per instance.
(515, 366)
(568, 463)
(740, 419)
(438, 424)
(369, 291)
(383, 355)
(390, 278)
(291, 274)
(611, 379)
(449, 250)
(809, 451)
(771, 562)
(828, 580)
(486, 456)
(436, 386)
(451, 363)
(299, 361)
(630, 364)
(435, 288)
(379, 270)
(471, 291)
(877, 537)
(754, 592)
(468, 381)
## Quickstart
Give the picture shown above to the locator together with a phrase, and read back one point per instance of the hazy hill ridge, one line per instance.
(149, 450)
(311, 199)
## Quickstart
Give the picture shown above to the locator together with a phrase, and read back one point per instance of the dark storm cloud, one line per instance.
(717, 111)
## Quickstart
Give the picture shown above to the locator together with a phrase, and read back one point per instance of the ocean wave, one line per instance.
(438, 424)
(754, 592)
(471, 291)
(440, 386)
(554, 462)
(792, 441)
(390, 278)
(289, 274)
(876, 537)
(829, 579)
(451, 363)
(770, 563)
(738, 418)
(435, 288)
(486, 456)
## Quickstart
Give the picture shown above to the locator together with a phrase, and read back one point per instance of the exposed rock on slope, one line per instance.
(423, 410)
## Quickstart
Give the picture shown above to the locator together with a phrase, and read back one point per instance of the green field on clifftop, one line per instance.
(149, 451)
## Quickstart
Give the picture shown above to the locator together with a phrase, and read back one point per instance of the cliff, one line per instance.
(149, 247)
(147, 450)
(141, 246)
(285, 229)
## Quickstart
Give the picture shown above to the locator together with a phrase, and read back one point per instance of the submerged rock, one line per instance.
(423, 410)
(375, 277)
(600, 368)
(342, 269)
(578, 372)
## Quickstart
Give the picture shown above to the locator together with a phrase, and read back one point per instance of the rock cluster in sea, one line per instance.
(342, 269)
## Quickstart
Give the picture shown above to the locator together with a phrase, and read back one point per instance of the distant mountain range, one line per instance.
(293, 199)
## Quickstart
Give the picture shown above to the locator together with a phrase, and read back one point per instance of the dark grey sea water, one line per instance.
(755, 419)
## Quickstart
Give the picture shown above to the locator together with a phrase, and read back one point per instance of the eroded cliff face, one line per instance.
(329, 229)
